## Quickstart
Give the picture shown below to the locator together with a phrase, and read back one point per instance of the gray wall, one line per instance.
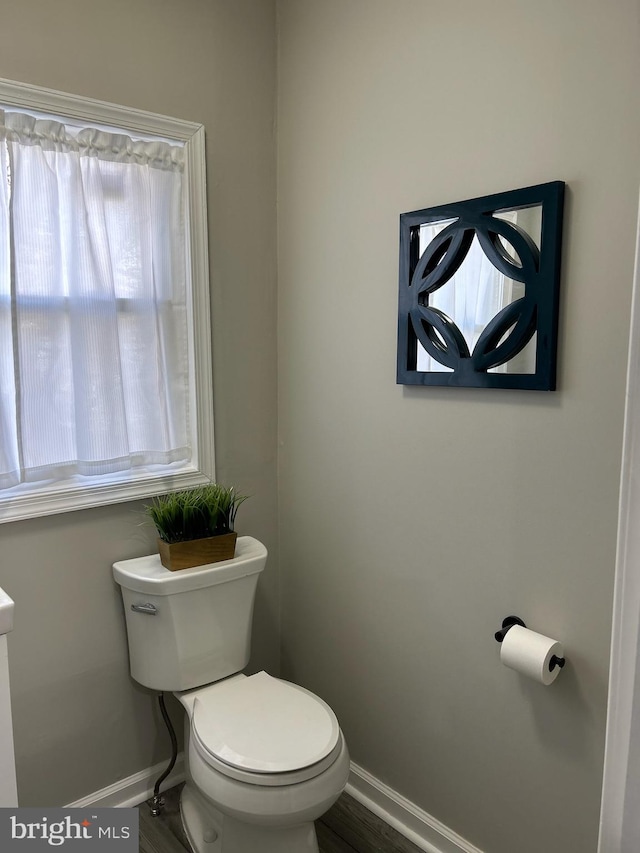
(413, 519)
(80, 723)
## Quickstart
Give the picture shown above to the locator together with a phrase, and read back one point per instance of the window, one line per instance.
(105, 378)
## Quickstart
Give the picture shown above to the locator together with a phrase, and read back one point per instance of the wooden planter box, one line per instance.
(197, 552)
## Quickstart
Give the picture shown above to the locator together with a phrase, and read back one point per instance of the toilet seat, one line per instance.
(264, 731)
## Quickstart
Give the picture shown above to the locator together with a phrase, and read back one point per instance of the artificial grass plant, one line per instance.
(197, 513)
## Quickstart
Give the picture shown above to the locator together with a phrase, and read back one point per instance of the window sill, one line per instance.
(33, 501)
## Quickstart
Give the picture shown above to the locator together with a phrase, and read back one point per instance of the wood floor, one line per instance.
(346, 828)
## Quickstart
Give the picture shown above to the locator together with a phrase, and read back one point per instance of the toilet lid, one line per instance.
(265, 725)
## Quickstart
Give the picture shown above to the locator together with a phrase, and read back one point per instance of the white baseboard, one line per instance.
(421, 828)
(133, 790)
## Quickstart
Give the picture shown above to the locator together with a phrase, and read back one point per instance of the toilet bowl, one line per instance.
(264, 758)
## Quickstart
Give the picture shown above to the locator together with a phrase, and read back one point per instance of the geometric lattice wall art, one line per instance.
(479, 291)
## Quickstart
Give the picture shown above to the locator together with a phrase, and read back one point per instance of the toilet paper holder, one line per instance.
(508, 622)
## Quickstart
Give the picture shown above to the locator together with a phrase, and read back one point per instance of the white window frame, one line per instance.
(65, 496)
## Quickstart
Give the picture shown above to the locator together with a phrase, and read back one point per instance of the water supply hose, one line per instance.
(157, 802)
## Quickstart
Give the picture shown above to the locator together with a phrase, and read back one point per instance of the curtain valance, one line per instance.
(50, 135)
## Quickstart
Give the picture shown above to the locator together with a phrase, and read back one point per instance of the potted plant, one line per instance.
(195, 526)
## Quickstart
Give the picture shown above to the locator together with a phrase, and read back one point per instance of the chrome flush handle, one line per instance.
(149, 609)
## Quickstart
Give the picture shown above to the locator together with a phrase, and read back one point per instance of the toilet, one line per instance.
(265, 758)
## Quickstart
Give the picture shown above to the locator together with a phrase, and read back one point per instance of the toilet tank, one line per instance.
(191, 627)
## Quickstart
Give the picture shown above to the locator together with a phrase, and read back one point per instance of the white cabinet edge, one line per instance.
(6, 612)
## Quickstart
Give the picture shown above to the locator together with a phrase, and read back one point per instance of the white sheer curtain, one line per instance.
(94, 364)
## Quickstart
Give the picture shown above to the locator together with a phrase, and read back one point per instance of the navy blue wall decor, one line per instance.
(479, 291)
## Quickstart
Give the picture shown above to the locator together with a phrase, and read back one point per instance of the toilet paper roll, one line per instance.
(530, 653)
